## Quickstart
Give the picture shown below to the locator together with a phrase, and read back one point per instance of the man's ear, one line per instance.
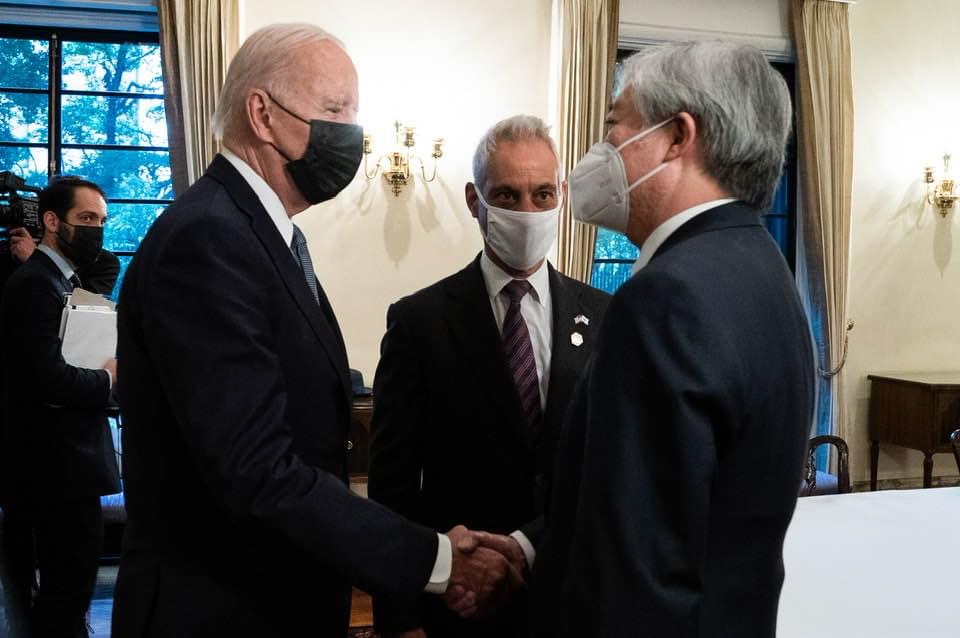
(51, 223)
(473, 203)
(685, 132)
(259, 115)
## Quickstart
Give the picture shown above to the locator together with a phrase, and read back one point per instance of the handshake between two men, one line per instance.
(486, 570)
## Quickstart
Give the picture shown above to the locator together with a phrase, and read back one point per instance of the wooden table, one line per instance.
(916, 410)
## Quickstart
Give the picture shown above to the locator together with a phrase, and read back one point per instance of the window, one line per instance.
(614, 254)
(89, 103)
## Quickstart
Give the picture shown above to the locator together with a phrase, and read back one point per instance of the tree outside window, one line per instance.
(89, 104)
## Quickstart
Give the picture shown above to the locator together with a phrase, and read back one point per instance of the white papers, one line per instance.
(88, 330)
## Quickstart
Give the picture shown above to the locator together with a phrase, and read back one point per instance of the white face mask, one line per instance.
(520, 239)
(599, 193)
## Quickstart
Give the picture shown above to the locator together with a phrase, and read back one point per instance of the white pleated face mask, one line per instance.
(519, 238)
(599, 193)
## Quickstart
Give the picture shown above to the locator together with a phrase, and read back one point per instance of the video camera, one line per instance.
(17, 210)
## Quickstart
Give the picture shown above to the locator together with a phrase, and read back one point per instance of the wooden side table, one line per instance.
(359, 442)
(916, 410)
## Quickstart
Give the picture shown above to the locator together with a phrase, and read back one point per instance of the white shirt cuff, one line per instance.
(528, 551)
(440, 576)
(109, 378)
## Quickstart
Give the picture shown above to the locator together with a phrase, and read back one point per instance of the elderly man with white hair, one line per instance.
(679, 461)
(235, 387)
(475, 374)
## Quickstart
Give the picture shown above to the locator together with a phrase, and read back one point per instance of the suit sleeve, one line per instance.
(33, 311)
(652, 405)
(206, 326)
(396, 451)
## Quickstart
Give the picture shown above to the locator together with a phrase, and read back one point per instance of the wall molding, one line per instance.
(634, 35)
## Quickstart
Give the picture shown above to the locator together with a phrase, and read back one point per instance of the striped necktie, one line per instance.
(299, 248)
(519, 351)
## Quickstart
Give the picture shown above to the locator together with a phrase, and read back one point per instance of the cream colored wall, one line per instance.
(905, 276)
(451, 69)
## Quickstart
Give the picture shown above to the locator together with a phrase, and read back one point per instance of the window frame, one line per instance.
(54, 146)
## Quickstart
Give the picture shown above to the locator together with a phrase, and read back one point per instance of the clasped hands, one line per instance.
(487, 569)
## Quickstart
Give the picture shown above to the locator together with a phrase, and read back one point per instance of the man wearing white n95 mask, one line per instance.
(678, 464)
(474, 376)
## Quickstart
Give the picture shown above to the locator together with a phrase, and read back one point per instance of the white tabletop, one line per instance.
(874, 564)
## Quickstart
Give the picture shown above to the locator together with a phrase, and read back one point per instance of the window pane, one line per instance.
(779, 228)
(25, 117)
(123, 174)
(127, 224)
(124, 264)
(24, 64)
(28, 163)
(89, 119)
(609, 277)
(611, 245)
(98, 66)
(781, 200)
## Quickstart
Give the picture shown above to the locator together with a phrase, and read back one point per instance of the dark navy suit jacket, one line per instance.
(236, 398)
(677, 469)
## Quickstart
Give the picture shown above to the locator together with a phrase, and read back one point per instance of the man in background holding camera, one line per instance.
(57, 451)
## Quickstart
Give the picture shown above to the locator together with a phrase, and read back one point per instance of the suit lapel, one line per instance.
(474, 330)
(566, 359)
(326, 330)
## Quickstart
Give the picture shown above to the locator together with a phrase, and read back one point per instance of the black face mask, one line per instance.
(85, 246)
(330, 162)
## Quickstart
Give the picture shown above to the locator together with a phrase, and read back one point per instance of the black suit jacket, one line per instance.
(57, 442)
(447, 410)
(678, 462)
(236, 401)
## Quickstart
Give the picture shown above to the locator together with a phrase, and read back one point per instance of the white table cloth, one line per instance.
(873, 565)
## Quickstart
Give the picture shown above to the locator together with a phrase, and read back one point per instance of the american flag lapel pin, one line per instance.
(581, 319)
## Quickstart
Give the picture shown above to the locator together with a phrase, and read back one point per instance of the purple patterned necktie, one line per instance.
(519, 351)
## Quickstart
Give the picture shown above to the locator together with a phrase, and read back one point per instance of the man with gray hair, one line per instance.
(235, 387)
(474, 377)
(680, 458)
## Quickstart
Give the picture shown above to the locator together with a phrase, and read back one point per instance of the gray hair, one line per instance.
(740, 103)
(512, 129)
(262, 62)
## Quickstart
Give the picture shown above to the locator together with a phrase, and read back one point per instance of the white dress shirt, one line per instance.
(64, 264)
(269, 199)
(443, 565)
(536, 309)
(667, 228)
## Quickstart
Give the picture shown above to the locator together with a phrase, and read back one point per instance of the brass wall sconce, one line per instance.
(398, 164)
(941, 193)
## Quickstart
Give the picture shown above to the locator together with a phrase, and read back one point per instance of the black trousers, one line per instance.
(62, 541)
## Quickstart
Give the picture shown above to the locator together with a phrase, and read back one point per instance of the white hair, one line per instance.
(512, 129)
(740, 103)
(262, 62)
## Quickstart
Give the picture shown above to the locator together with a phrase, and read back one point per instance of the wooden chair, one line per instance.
(955, 442)
(815, 482)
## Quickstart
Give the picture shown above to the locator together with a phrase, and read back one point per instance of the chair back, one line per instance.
(955, 442)
(815, 482)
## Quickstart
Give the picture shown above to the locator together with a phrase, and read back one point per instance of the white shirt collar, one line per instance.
(662, 232)
(495, 279)
(269, 199)
(62, 262)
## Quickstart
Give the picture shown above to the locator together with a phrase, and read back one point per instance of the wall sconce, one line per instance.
(941, 195)
(396, 165)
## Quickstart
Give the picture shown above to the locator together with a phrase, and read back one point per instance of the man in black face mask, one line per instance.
(57, 450)
(236, 393)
